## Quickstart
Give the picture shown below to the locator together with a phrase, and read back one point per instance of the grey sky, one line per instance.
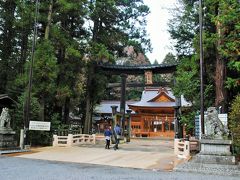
(157, 28)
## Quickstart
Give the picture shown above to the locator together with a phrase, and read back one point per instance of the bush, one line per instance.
(234, 123)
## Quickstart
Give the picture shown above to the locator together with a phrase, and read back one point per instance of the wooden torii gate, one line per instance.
(148, 71)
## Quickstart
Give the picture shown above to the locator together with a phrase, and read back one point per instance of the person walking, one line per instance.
(107, 134)
(117, 134)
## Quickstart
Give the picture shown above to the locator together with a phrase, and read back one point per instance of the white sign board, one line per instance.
(39, 125)
(157, 122)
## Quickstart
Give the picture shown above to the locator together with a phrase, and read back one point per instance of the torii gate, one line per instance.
(147, 70)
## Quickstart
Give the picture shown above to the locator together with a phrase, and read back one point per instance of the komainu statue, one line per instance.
(214, 128)
(5, 119)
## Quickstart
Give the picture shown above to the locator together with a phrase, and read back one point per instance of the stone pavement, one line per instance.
(144, 154)
(207, 168)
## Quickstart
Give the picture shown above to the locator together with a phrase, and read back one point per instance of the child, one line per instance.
(107, 134)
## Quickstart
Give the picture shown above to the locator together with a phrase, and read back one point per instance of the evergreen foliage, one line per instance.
(221, 58)
(73, 36)
(76, 35)
(234, 123)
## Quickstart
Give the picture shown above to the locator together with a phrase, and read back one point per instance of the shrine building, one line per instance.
(152, 116)
(154, 113)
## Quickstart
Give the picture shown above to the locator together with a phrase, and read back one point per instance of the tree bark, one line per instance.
(49, 19)
(24, 50)
(66, 110)
(42, 104)
(46, 38)
(88, 117)
(220, 74)
(89, 103)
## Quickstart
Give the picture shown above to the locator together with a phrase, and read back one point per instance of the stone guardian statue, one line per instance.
(5, 119)
(214, 128)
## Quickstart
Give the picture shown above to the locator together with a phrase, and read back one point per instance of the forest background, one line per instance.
(74, 36)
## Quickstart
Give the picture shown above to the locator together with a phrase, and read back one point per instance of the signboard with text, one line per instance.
(39, 125)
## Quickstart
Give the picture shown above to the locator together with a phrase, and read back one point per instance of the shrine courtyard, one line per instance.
(140, 159)
(139, 153)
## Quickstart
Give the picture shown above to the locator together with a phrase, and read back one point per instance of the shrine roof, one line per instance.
(150, 93)
(105, 106)
(147, 95)
(153, 104)
(6, 101)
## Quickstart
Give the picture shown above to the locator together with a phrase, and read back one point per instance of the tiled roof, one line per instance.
(153, 104)
(105, 106)
(150, 93)
(5, 100)
(147, 95)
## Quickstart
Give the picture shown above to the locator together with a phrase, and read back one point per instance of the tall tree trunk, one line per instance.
(42, 103)
(60, 57)
(89, 103)
(66, 110)
(24, 49)
(220, 74)
(88, 117)
(49, 19)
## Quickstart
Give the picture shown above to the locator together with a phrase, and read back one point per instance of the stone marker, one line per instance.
(6, 133)
(215, 147)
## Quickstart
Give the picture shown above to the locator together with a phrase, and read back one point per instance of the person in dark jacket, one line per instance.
(117, 134)
(107, 134)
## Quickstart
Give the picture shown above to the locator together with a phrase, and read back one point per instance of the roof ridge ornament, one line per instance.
(162, 89)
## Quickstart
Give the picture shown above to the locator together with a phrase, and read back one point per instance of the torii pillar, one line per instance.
(123, 100)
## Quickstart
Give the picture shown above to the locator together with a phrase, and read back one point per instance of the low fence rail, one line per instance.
(73, 140)
(182, 148)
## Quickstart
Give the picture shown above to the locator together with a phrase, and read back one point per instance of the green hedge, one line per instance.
(234, 123)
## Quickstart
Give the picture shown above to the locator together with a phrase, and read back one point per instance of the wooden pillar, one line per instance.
(114, 117)
(129, 125)
(114, 111)
(163, 124)
(178, 126)
(123, 100)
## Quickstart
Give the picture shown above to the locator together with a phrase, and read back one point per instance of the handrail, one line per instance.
(73, 140)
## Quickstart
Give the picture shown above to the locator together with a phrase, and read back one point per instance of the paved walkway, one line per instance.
(144, 154)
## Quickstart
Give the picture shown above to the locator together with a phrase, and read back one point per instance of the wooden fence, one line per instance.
(73, 140)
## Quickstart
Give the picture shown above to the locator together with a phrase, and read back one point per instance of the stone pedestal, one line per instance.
(215, 151)
(7, 139)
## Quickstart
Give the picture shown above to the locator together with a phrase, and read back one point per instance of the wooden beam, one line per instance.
(162, 84)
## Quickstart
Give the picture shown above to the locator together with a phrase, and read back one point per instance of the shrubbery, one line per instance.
(234, 123)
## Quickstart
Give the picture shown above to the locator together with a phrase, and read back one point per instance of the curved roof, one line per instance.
(153, 104)
(150, 93)
(5, 100)
(105, 106)
(138, 69)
